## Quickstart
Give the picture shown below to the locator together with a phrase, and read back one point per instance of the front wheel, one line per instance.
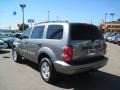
(16, 57)
(47, 70)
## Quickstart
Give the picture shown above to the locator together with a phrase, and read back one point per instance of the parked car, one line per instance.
(117, 40)
(114, 38)
(7, 38)
(9, 34)
(110, 37)
(3, 45)
(106, 35)
(62, 47)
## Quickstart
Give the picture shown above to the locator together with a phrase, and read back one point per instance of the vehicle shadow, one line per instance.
(30, 64)
(4, 51)
(94, 81)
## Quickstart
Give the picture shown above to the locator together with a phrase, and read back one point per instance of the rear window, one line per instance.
(85, 32)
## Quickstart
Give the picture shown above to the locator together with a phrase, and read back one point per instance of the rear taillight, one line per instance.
(67, 53)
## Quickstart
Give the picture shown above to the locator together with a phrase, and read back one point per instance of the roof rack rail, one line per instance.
(52, 21)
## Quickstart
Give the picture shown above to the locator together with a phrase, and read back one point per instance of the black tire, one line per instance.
(16, 57)
(47, 70)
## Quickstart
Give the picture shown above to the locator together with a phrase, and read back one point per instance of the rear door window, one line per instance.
(85, 32)
(55, 32)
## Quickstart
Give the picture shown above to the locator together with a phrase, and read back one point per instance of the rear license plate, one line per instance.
(91, 51)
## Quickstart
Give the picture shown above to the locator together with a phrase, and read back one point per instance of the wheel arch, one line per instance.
(46, 52)
(41, 56)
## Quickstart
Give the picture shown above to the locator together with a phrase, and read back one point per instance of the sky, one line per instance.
(86, 11)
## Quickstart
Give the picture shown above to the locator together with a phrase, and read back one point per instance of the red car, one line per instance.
(118, 40)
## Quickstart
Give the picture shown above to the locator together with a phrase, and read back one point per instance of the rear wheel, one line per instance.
(47, 70)
(16, 57)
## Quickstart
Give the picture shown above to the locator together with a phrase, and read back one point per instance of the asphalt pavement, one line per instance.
(25, 75)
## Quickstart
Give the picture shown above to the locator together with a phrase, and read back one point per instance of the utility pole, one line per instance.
(9, 28)
(48, 15)
(57, 18)
(23, 6)
(112, 15)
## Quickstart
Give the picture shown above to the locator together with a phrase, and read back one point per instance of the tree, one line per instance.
(21, 27)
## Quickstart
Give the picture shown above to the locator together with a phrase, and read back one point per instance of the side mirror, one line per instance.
(18, 36)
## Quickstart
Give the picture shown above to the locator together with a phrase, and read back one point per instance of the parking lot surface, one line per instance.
(25, 75)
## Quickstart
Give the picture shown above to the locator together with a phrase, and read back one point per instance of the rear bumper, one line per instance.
(63, 67)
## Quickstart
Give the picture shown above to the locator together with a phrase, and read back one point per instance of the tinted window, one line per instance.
(55, 32)
(85, 32)
(37, 32)
(26, 33)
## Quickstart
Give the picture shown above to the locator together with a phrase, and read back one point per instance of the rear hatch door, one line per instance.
(87, 40)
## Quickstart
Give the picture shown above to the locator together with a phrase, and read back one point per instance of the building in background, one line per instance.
(113, 26)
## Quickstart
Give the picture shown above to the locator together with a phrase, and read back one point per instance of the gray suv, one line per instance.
(62, 47)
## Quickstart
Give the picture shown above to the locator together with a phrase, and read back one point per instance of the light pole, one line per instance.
(23, 6)
(105, 20)
(105, 16)
(112, 15)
